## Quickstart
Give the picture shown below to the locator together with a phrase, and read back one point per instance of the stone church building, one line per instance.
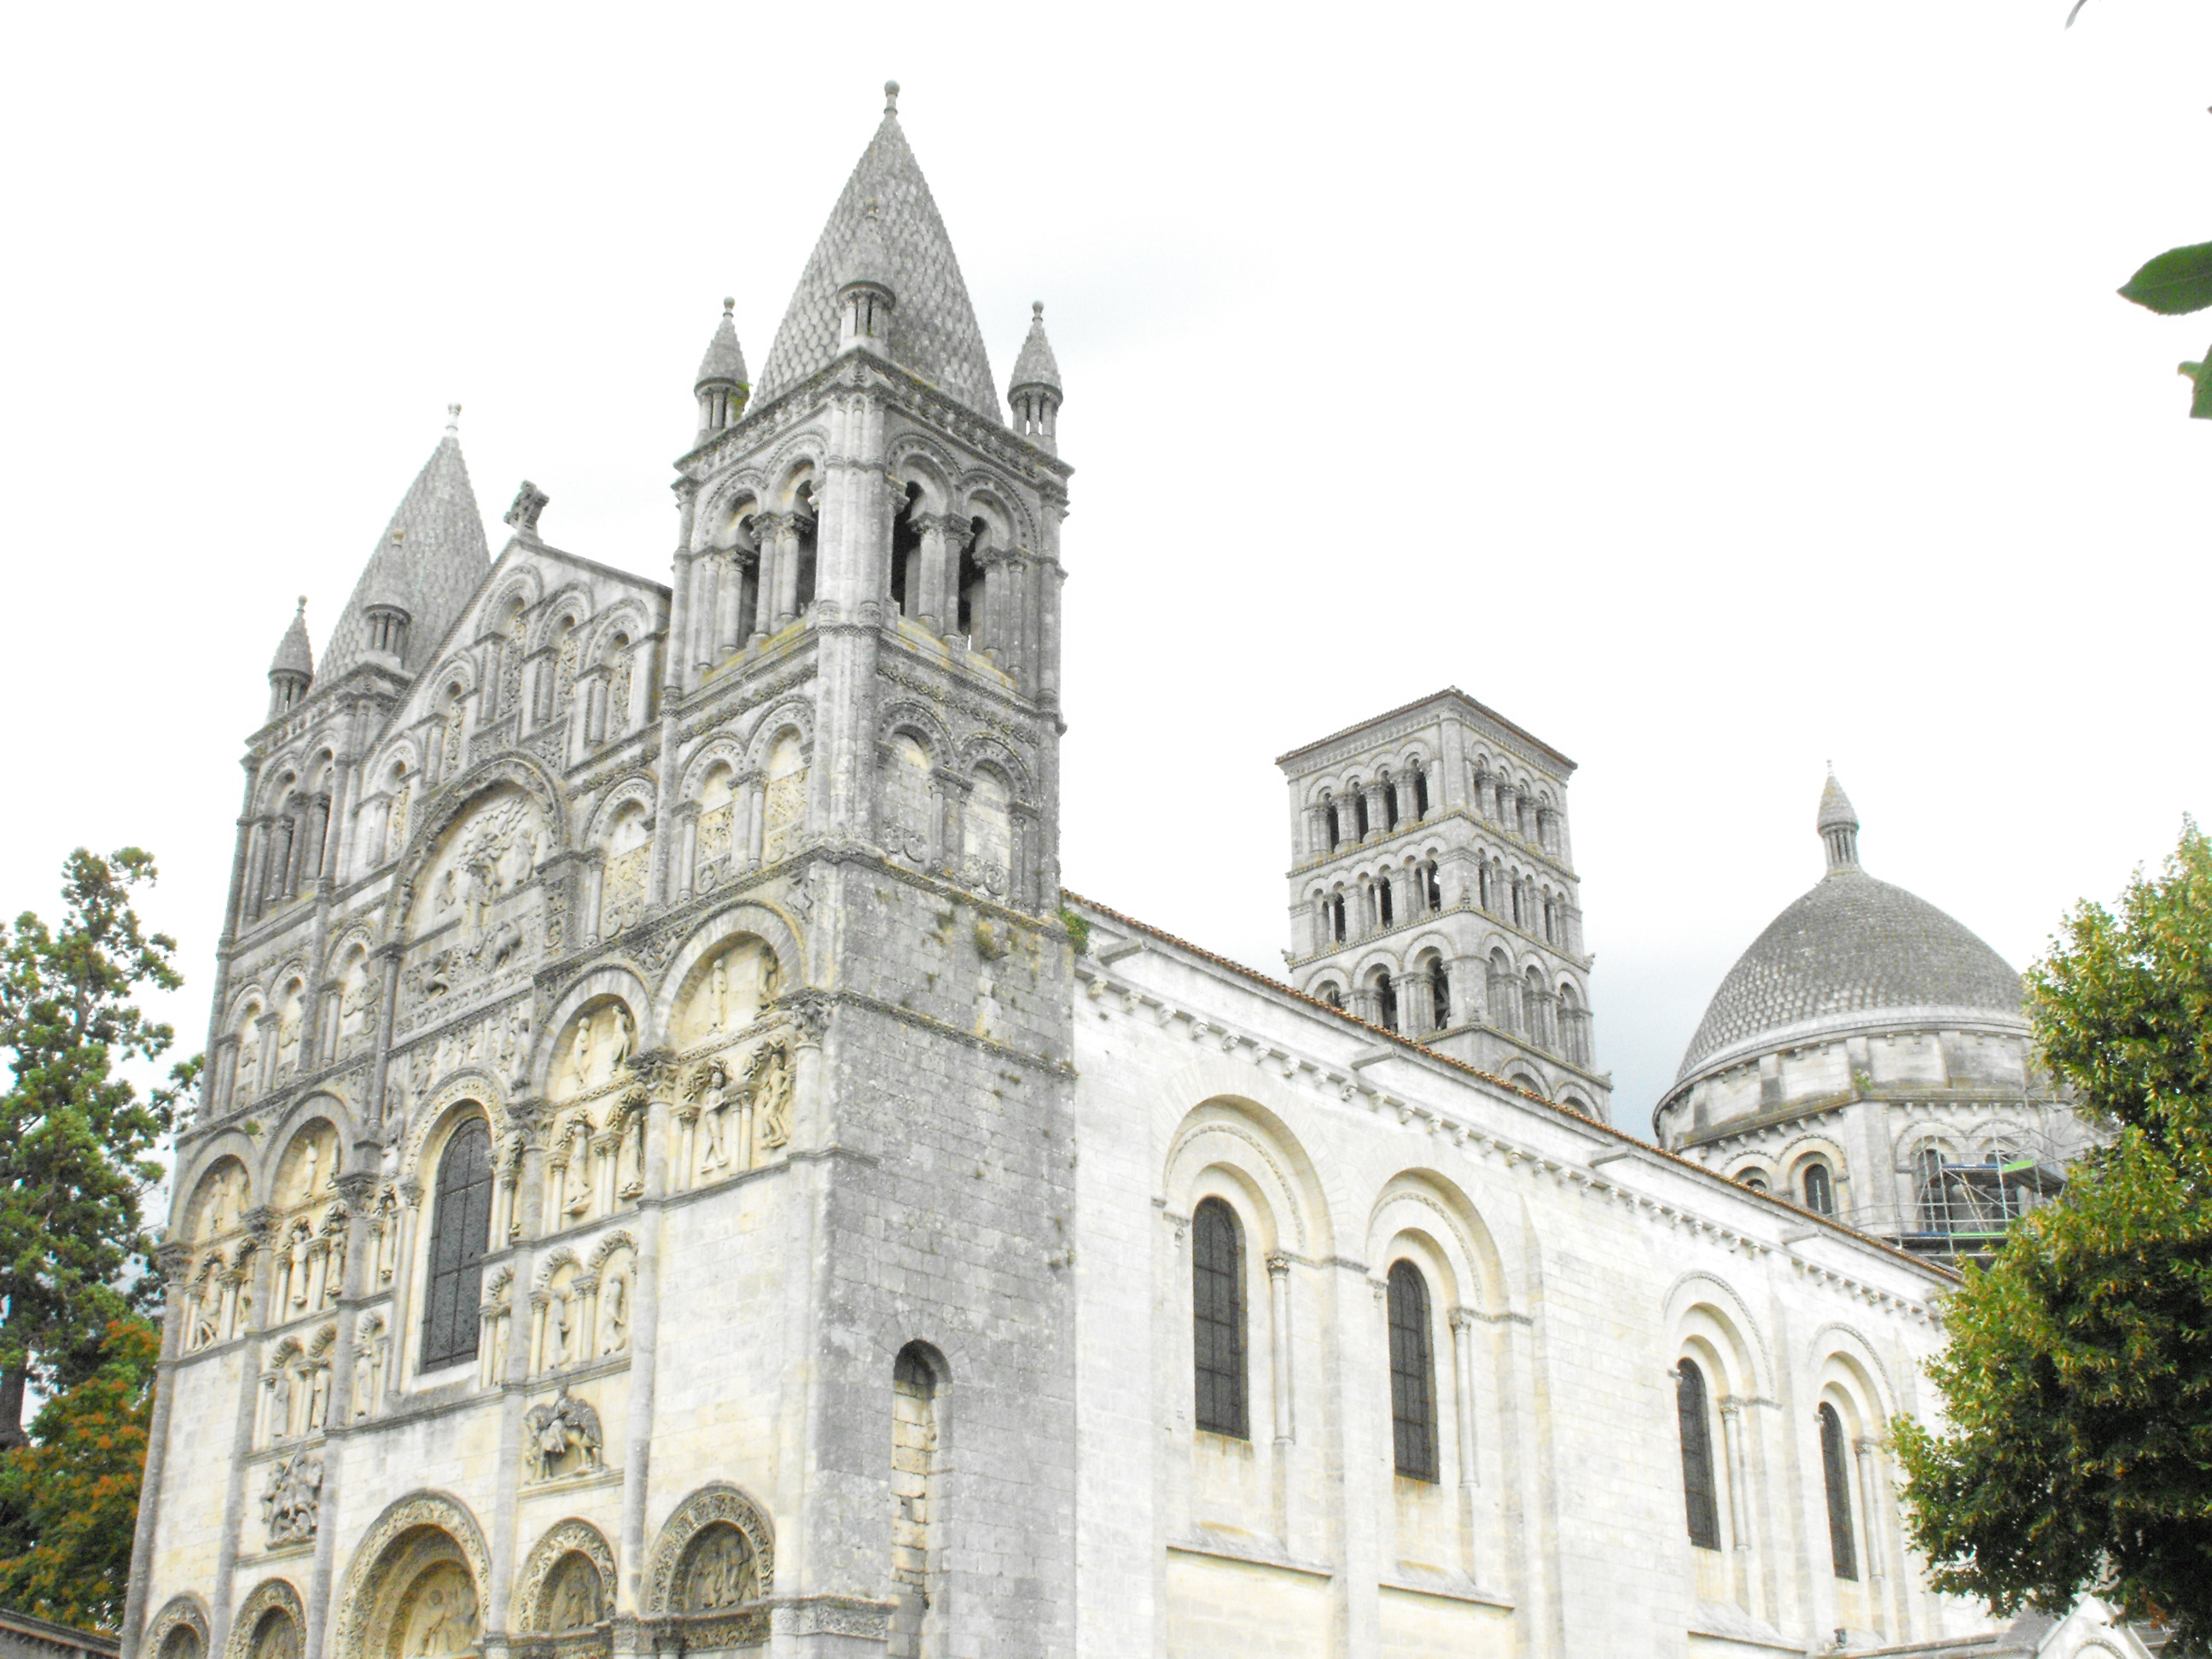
(679, 1175)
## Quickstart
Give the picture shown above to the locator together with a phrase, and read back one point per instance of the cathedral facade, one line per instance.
(678, 1174)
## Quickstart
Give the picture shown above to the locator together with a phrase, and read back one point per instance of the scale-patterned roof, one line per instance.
(933, 330)
(724, 359)
(293, 653)
(1853, 944)
(1037, 365)
(431, 560)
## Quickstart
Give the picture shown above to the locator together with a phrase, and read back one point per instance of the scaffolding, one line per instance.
(1965, 1209)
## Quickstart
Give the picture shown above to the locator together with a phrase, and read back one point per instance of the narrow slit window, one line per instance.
(1836, 1474)
(1699, 1499)
(1413, 1375)
(1217, 1271)
(461, 1234)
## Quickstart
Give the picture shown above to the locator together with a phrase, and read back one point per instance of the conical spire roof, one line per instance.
(724, 359)
(430, 561)
(1035, 366)
(935, 334)
(294, 655)
(1835, 812)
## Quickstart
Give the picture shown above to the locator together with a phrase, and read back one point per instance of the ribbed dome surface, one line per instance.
(1853, 944)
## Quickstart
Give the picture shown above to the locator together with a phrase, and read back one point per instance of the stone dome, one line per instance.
(1846, 955)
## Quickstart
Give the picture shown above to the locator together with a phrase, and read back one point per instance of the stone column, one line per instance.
(1377, 822)
(1739, 1478)
(403, 1283)
(656, 1082)
(1462, 1330)
(1870, 1522)
(925, 579)
(1279, 1289)
(174, 1261)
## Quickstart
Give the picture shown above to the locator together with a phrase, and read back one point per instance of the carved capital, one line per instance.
(809, 1013)
(410, 1190)
(1278, 1265)
(260, 1223)
(355, 1190)
(175, 1261)
(1464, 1319)
(655, 1070)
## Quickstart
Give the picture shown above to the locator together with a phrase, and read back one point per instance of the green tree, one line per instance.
(74, 1133)
(69, 1500)
(2077, 1382)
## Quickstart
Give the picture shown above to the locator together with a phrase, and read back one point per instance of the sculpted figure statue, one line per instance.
(580, 1055)
(613, 1303)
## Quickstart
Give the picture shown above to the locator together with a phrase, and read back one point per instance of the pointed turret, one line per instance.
(1839, 826)
(723, 385)
(866, 296)
(937, 337)
(431, 558)
(1034, 393)
(293, 668)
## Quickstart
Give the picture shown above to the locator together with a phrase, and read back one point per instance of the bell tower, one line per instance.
(864, 645)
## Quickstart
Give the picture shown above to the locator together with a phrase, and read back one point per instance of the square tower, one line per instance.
(1433, 891)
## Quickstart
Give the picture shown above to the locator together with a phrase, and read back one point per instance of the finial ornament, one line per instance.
(890, 98)
(1036, 309)
(303, 604)
(452, 420)
(729, 304)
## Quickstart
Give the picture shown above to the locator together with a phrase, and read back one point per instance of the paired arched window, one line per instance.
(1413, 1375)
(1819, 1188)
(1700, 1495)
(1835, 1473)
(1217, 1301)
(461, 1234)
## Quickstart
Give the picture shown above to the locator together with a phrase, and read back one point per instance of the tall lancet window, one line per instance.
(1700, 1496)
(1217, 1297)
(1413, 1375)
(1835, 1474)
(461, 1234)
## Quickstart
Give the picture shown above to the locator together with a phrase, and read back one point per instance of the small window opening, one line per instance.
(1386, 1000)
(971, 583)
(1335, 830)
(1436, 891)
(1439, 997)
(1359, 812)
(1216, 1266)
(1389, 804)
(1383, 900)
(1820, 1189)
(1413, 1375)
(906, 556)
(1420, 793)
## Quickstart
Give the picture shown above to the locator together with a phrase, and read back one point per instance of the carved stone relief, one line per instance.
(561, 1437)
(291, 1498)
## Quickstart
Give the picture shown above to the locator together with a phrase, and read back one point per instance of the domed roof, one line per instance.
(1852, 947)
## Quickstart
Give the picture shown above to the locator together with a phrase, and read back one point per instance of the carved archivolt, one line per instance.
(364, 1575)
(269, 1594)
(720, 1501)
(185, 1612)
(570, 1537)
(792, 715)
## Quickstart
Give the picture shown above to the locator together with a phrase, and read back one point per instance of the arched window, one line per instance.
(1332, 995)
(1435, 888)
(1820, 1188)
(1413, 1375)
(1482, 887)
(461, 1234)
(1217, 1297)
(1386, 1000)
(1698, 1495)
(1383, 908)
(1335, 827)
(1336, 915)
(1835, 1473)
(1753, 1179)
(1359, 811)
(1389, 803)
(1440, 1014)
(1421, 792)
(915, 1496)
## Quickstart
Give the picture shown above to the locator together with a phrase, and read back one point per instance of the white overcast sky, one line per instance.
(1716, 390)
